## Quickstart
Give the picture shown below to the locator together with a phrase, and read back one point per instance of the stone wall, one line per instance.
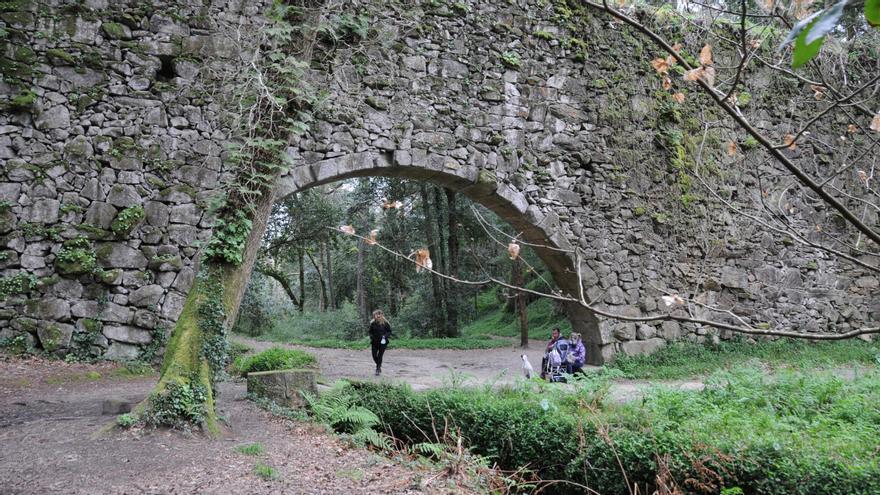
(563, 131)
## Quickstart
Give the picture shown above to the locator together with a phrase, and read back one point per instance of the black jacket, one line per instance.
(379, 330)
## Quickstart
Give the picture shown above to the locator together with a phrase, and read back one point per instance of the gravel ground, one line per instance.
(51, 414)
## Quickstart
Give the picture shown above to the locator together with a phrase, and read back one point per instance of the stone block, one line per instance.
(283, 386)
(127, 334)
(42, 211)
(54, 336)
(122, 352)
(48, 308)
(642, 347)
(148, 295)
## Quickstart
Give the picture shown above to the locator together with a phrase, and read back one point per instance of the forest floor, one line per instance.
(51, 416)
(431, 368)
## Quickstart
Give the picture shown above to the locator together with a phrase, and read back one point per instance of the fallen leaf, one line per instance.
(693, 74)
(371, 240)
(788, 140)
(875, 123)
(852, 129)
(755, 44)
(731, 148)
(863, 176)
(709, 76)
(706, 55)
(660, 65)
(678, 97)
(513, 250)
(676, 47)
(391, 204)
(348, 229)
(818, 91)
(667, 83)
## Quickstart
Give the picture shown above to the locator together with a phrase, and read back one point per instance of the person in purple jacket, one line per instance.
(578, 354)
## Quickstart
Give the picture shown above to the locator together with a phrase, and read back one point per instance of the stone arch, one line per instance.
(481, 187)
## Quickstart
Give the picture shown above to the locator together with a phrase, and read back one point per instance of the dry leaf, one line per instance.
(875, 123)
(348, 229)
(818, 91)
(423, 260)
(371, 240)
(731, 148)
(709, 76)
(768, 5)
(693, 74)
(755, 44)
(676, 47)
(391, 204)
(733, 100)
(660, 65)
(789, 141)
(667, 83)
(852, 129)
(706, 55)
(678, 97)
(513, 250)
(863, 176)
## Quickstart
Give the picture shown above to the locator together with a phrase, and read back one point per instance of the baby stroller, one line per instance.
(556, 360)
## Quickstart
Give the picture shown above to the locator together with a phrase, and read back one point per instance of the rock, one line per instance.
(173, 305)
(115, 313)
(100, 215)
(123, 196)
(124, 333)
(57, 117)
(42, 211)
(645, 332)
(642, 347)
(48, 308)
(118, 255)
(122, 352)
(189, 214)
(734, 278)
(625, 331)
(148, 295)
(670, 330)
(283, 386)
(54, 336)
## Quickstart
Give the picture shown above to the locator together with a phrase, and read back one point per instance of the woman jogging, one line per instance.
(380, 332)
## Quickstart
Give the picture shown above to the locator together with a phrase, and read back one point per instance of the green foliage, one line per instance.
(15, 345)
(684, 360)
(510, 59)
(21, 283)
(127, 220)
(229, 238)
(794, 433)
(22, 102)
(250, 449)
(126, 420)
(872, 12)
(76, 257)
(265, 471)
(336, 408)
(212, 321)
(81, 342)
(275, 358)
(180, 405)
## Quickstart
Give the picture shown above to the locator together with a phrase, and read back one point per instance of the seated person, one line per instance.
(554, 337)
(578, 354)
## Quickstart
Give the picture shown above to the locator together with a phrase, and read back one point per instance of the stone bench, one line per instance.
(283, 386)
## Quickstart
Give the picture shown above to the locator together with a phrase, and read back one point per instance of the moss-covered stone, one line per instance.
(57, 56)
(127, 219)
(116, 31)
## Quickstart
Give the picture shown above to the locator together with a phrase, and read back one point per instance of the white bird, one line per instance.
(527, 367)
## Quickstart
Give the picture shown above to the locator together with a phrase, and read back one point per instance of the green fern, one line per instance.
(336, 409)
(429, 449)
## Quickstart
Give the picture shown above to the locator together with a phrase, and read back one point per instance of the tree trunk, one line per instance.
(439, 316)
(331, 298)
(517, 279)
(302, 279)
(322, 301)
(452, 290)
(281, 278)
(361, 297)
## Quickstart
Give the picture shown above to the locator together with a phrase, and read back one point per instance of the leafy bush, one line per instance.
(790, 434)
(275, 358)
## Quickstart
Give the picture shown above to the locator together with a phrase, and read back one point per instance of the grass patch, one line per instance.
(787, 433)
(494, 321)
(265, 471)
(84, 376)
(684, 360)
(273, 359)
(250, 449)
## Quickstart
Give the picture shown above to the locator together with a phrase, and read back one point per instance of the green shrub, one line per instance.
(275, 358)
(126, 420)
(788, 434)
(265, 471)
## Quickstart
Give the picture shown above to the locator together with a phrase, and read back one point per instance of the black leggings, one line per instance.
(378, 350)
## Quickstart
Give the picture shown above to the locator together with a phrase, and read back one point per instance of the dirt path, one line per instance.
(51, 411)
(424, 369)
